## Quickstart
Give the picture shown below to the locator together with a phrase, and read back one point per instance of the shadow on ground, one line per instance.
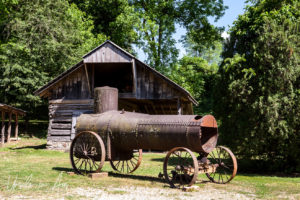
(63, 169)
(117, 175)
(42, 146)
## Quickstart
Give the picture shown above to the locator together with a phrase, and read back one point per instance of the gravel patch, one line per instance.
(155, 194)
(137, 193)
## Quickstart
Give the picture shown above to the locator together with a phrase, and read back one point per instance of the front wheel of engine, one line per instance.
(87, 153)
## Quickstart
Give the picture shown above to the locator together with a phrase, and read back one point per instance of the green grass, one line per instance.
(27, 168)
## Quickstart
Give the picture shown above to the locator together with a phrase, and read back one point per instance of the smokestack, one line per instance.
(105, 99)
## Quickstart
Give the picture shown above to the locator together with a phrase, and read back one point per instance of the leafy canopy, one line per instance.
(39, 40)
(258, 97)
(114, 18)
(157, 26)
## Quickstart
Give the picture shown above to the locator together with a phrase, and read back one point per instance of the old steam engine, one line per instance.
(119, 137)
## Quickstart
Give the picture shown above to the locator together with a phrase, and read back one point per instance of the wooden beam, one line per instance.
(3, 128)
(16, 127)
(88, 80)
(162, 108)
(171, 110)
(153, 107)
(179, 110)
(134, 76)
(72, 101)
(9, 127)
(93, 79)
(145, 106)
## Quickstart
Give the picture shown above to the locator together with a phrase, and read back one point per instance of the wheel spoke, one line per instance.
(226, 168)
(130, 165)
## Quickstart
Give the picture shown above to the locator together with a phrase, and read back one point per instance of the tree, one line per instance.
(158, 19)
(196, 75)
(39, 40)
(258, 97)
(114, 18)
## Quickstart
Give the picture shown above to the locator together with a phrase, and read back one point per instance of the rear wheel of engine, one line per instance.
(180, 167)
(225, 165)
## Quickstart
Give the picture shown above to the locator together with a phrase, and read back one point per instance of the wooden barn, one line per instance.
(141, 89)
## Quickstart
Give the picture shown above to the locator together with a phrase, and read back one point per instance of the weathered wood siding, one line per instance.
(74, 86)
(150, 86)
(62, 118)
(107, 54)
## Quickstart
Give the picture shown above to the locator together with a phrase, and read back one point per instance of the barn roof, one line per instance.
(44, 88)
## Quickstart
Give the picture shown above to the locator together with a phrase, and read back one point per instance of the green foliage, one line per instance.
(114, 18)
(258, 97)
(156, 29)
(158, 19)
(196, 75)
(212, 54)
(40, 40)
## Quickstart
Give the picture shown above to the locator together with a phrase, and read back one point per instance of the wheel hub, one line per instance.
(178, 168)
(85, 153)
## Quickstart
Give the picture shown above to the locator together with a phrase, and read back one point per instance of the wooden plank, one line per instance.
(162, 109)
(151, 86)
(179, 111)
(93, 80)
(57, 82)
(9, 126)
(61, 126)
(49, 127)
(127, 96)
(138, 86)
(190, 109)
(70, 110)
(62, 119)
(88, 81)
(61, 114)
(73, 124)
(60, 138)
(16, 127)
(57, 132)
(145, 83)
(3, 128)
(72, 101)
(107, 54)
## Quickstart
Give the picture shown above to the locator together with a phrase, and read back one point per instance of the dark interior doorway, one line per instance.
(118, 75)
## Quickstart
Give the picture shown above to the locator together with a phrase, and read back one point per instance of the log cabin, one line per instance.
(141, 89)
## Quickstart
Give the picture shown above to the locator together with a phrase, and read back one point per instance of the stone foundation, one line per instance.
(56, 145)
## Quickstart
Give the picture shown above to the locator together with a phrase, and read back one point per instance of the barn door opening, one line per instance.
(118, 75)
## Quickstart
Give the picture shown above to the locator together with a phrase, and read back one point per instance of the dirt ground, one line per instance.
(139, 193)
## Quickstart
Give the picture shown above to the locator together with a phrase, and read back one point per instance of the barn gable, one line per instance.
(141, 89)
(107, 53)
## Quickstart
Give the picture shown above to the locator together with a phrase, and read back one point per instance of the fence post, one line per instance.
(3, 128)
(9, 127)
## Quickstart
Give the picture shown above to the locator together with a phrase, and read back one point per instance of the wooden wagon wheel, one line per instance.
(128, 166)
(226, 165)
(180, 167)
(87, 153)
